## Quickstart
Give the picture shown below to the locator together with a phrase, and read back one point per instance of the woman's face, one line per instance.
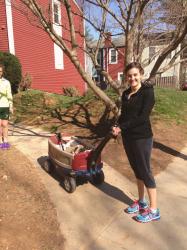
(134, 77)
(1, 72)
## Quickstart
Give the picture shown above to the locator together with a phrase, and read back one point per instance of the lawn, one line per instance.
(35, 106)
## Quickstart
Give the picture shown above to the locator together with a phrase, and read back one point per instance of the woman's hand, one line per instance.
(116, 130)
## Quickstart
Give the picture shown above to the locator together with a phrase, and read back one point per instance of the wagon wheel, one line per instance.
(98, 178)
(48, 166)
(69, 184)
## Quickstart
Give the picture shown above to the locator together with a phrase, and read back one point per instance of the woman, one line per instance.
(5, 108)
(135, 127)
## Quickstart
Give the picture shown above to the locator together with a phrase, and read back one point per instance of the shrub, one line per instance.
(13, 70)
(25, 83)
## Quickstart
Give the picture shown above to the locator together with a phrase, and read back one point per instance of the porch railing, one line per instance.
(167, 82)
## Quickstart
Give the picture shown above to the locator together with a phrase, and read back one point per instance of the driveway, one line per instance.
(92, 218)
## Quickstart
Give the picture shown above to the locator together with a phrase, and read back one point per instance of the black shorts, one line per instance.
(4, 113)
(138, 153)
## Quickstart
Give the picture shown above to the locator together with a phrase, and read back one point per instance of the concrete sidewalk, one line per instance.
(93, 219)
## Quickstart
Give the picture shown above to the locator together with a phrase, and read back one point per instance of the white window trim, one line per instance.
(58, 52)
(58, 57)
(119, 73)
(110, 56)
(10, 26)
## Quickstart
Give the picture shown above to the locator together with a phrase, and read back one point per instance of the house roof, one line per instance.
(118, 42)
(152, 39)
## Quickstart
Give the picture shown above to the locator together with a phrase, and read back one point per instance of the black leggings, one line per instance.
(138, 153)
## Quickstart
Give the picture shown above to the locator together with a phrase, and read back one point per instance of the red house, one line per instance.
(49, 68)
(112, 58)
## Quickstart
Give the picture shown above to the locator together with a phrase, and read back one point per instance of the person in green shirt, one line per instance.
(6, 107)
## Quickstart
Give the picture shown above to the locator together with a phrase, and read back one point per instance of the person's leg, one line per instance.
(130, 150)
(131, 155)
(1, 132)
(141, 190)
(143, 149)
(5, 130)
(139, 204)
(152, 198)
(152, 213)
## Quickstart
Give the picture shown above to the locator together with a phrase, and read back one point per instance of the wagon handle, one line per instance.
(94, 155)
(59, 137)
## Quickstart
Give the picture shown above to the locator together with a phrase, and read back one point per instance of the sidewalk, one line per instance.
(93, 219)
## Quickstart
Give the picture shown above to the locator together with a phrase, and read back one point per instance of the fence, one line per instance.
(166, 82)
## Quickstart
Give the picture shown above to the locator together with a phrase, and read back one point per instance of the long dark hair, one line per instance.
(134, 65)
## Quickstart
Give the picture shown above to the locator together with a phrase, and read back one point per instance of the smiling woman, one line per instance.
(135, 127)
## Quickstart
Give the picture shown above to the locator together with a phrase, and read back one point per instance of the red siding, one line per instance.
(3, 28)
(36, 52)
(114, 69)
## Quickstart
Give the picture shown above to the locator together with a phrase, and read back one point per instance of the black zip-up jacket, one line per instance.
(134, 120)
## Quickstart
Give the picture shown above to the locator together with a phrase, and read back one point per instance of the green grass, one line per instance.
(170, 104)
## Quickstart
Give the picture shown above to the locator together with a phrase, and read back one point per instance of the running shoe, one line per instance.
(136, 207)
(148, 216)
(6, 145)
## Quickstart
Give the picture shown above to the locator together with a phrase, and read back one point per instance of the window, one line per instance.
(58, 52)
(120, 76)
(56, 12)
(113, 56)
(99, 57)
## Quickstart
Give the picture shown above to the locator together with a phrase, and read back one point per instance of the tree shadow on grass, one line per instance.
(102, 127)
(23, 131)
(97, 130)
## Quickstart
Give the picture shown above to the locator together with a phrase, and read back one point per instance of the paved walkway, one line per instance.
(93, 219)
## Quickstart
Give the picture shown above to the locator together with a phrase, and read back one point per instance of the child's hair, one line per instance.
(134, 65)
(2, 66)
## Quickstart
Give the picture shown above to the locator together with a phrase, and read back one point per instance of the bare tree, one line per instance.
(146, 23)
(134, 19)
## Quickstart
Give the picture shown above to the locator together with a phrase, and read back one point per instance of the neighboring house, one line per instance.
(168, 78)
(183, 68)
(50, 69)
(112, 58)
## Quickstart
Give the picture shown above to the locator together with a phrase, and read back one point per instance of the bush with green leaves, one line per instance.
(13, 71)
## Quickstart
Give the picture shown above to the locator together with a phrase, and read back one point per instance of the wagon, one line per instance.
(75, 159)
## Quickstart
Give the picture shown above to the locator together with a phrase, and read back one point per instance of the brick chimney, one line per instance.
(108, 39)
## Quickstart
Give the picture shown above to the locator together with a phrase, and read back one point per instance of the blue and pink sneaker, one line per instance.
(148, 216)
(137, 206)
(1, 145)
